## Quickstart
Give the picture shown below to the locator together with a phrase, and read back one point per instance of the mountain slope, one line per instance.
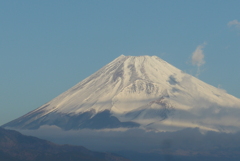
(138, 91)
(17, 147)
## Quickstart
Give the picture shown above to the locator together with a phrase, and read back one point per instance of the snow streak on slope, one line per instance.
(148, 91)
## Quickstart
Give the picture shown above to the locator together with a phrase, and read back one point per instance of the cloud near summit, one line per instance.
(198, 56)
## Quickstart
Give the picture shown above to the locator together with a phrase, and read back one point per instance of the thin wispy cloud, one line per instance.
(197, 58)
(234, 23)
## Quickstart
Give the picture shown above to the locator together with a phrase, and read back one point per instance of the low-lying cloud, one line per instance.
(137, 139)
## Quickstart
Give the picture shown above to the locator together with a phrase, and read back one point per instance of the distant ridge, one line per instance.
(17, 147)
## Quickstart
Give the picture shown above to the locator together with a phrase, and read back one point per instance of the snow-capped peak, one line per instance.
(146, 90)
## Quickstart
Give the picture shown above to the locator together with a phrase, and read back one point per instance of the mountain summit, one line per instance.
(138, 91)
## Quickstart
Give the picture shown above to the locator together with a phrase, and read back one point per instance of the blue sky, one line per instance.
(46, 47)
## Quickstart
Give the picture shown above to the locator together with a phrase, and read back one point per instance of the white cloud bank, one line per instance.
(234, 23)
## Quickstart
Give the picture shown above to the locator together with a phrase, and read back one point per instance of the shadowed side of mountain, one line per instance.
(88, 120)
(17, 147)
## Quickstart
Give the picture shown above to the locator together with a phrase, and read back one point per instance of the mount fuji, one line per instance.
(138, 91)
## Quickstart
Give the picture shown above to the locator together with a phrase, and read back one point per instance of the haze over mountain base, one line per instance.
(136, 143)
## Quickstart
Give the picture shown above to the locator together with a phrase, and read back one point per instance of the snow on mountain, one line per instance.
(138, 91)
